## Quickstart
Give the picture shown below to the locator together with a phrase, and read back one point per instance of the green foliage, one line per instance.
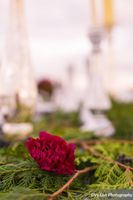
(63, 124)
(21, 178)
(122, 117)
(108, 175)
(23, 114)
(20, 193)
(59, 120)
(19, 172)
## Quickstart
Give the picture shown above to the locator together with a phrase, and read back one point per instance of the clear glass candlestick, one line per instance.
(16, 72)
(97, 100)
(66, 97)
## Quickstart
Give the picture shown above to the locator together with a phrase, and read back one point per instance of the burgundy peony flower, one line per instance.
(46, 85)
(52, 153)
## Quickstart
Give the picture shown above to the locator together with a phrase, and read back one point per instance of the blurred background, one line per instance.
(58, 35)
(73, 56)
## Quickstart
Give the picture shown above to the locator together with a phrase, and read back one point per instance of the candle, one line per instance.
(96, 12)
(93, 12)
(108, 13)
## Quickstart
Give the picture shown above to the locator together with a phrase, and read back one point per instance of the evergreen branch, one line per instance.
(26, 196)
(127, 173)
(95, 142)
(21, 193)
(106, 158)
(70, 181)
(17, 170)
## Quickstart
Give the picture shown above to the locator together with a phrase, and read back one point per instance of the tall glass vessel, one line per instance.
(16, 73)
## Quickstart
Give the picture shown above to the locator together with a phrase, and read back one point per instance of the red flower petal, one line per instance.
(52, 153)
